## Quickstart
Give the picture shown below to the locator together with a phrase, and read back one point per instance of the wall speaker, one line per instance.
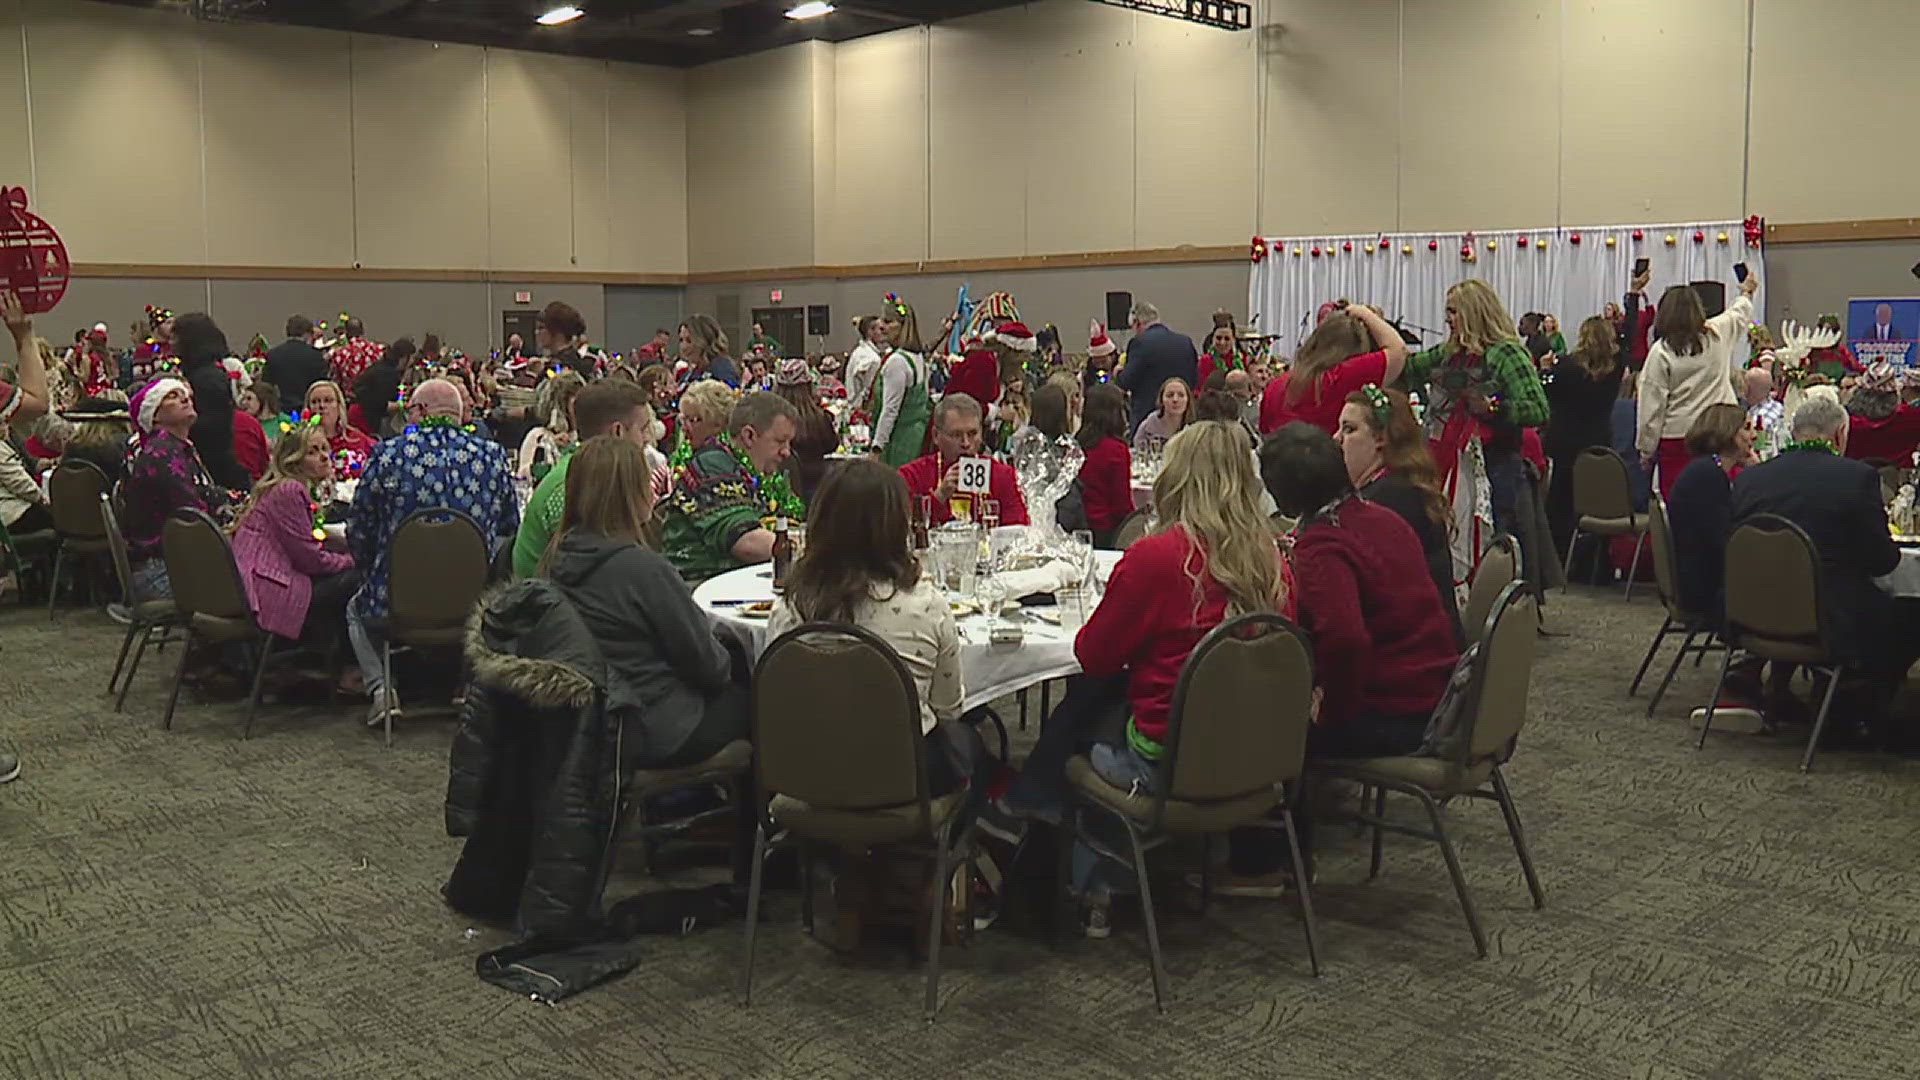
(1712, 294)
(1119, 310)
(818, 316)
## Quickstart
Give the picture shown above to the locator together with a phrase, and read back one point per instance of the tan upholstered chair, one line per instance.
(1132, 528)
(1236, 739)
(1500, 565)
(73, 500)
(727, 770)
(437, 567)
(146, 617)
(1775, 610)
(1689, 624)
(212, 602)
(1603, 503)
(1496, 709)
(840, 760)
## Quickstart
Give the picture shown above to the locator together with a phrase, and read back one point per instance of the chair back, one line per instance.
(1132, 528)
(836, 721)
(1502, 673)
(73, 498)
(1499, 566)
(1665, 563)
(117, 544)
(1601, 488)
(436, 570)
(1773, 585)
(1240, 714)
(200, 567)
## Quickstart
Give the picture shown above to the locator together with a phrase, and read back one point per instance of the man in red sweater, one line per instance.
(957, 433)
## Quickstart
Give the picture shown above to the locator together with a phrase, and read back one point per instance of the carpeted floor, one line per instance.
(186, 904)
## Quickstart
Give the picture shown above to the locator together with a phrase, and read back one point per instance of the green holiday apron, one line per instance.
(910, 426)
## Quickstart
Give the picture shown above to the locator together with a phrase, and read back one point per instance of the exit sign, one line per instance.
(774, 296)
(523, 298)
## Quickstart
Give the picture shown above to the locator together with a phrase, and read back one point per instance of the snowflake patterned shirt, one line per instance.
(421, 468)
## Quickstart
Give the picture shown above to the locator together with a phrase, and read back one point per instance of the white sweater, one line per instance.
(1675, 390)
(863, 365)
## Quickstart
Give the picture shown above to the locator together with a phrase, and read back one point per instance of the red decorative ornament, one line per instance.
(1573, 239)
(1384, 242)
(1755, 228)
(1699, 237)
(1315, 253)
(33, 260)
(1433, 245)
(1523, 241)
(1466, 251)
(1259, 251)
(1346, 245)
(1638, 236)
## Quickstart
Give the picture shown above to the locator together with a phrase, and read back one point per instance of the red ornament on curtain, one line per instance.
(1433, 245)
(1699, 237)
(1315, 252)
(1346, 245)
(1384, 243)
(1573, 239)
(1755, 227)
(33, 260)
(1637, 236)
(1259, 248)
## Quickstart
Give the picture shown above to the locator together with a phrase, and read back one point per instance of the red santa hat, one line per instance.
(99, 332)
(1099, 344)
(1015, 336)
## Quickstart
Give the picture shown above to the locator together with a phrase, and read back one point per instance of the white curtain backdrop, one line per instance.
(1565, 279)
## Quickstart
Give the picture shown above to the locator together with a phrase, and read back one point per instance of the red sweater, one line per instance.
(1320, 405)
(923, 475)
(1147, 623)
(1892, 440)
(977, 375)
(250, 447)
(1382, 642)
(1106, 483)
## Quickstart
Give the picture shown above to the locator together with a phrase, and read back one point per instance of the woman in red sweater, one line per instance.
(1210, 557)
(1383, 647)
(1106, 474)
(1333, 362)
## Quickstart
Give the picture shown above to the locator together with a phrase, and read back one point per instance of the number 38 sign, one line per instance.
(33, 260)
(975, 476)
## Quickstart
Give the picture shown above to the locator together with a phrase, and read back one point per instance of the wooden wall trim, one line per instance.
(1828, 232)
(1139, 257)
(349, 273)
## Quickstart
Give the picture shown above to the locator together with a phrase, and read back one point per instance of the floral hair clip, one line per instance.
(1379, 403)
(898, 305)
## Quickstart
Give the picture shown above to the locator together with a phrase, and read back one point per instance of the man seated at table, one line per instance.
(1837, 502)
(435, 462)
(719, 501)
(609, 407)
(957, 433)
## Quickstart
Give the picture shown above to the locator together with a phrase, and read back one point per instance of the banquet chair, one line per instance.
(74, 490)
(1603, 504)
(145, 617)
(1469, 765)
(437, 567)
(728, 770)
(1688, 624)
(1236, 741)
(211, 601)
(1776, 610)
(840, 760)
(1131, 528)
(1500, 565)
(18, 548)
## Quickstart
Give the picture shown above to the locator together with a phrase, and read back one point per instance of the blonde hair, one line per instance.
(708, 339)
(1483, 319)
(710, 400)
(306, 403)
(1076, 396)
(283, 465)
(1208, 487)
(555, 400)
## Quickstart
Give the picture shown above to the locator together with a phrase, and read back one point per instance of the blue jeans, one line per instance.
(368, 644)
(1093, 877)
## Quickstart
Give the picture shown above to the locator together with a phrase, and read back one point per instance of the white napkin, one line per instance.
(1048, 577)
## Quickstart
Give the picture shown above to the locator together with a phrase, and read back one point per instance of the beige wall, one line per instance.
(750, 160)
(156, 139)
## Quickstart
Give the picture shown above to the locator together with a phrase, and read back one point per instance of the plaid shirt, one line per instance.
(1509, 369)
(1769, 420)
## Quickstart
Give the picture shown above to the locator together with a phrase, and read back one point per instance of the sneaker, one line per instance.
(1095, 921)
(9, 767)
(1269, 886)
(378, 708)
(120, 613)
(1728, 709)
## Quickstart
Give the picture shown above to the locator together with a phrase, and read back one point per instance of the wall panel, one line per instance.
(750, 161)
(647, 149)
(1195, 101)
(420, 169)
(880, 150)
(589, 104)
(1080, 129)
(14, 124)
(981, 146)
(529, 165)
(116, 129)
(277, 101)
(1478, 139)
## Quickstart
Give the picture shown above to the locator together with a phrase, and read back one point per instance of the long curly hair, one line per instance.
(1403, 449)
(1208, 488)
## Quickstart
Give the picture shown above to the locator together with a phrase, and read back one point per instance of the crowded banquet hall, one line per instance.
(765, 538)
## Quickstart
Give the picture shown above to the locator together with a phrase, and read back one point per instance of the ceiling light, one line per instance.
(812, 9)
(701, 31)
(565, 13)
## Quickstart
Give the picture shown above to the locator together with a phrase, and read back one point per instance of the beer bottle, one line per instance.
(782, 553)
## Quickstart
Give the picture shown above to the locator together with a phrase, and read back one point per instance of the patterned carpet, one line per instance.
(185, 904)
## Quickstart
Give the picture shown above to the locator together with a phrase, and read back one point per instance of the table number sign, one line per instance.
(976, 476)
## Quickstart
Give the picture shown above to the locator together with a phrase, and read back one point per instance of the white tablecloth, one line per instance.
(1905, 579)
(987, 671)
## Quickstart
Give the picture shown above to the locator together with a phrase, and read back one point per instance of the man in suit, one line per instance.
(1837, 502)
(1883, 324)
(295, 364)
(1155, 355)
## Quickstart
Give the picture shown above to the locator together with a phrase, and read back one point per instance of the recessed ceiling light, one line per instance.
(565, 13)
(701, 31)
(812, 9)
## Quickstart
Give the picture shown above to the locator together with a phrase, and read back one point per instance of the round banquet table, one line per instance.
(987, 671)
(1905, 579)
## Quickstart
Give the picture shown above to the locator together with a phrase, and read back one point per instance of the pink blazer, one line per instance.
(279, 558)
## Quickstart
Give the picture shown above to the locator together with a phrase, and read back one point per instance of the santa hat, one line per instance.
(146, 400)
(1015, 336)
(99, 332)
(1099, 343)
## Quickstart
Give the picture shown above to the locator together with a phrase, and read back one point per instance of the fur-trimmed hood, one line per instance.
(525, 639)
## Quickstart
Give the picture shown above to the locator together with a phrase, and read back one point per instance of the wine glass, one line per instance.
(1083, 552)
